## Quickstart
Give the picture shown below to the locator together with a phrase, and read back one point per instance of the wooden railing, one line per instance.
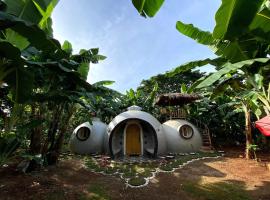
(178, 113)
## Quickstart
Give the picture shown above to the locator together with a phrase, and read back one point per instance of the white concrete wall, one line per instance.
(95, 143)
(176, 143)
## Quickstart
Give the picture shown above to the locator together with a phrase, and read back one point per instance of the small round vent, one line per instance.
(83, 133)
(186, 131)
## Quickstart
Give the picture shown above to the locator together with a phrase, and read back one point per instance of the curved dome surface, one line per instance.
(135, 113)
(182, 136)
(92, 143)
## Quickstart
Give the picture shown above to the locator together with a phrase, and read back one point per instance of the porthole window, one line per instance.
(186, 131)
(83, 133)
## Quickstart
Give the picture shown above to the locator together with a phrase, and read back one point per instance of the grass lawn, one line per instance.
(136, 173)
(220, 191)
(226, 178)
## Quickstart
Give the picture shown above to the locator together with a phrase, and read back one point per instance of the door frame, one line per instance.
(141, 135)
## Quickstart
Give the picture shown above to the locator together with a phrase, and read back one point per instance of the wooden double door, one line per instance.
(133, 140)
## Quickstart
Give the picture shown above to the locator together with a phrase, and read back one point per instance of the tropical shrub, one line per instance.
(41, 81)
(240, 39)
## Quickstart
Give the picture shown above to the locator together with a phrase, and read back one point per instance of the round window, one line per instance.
(186, 131)
(83, 133)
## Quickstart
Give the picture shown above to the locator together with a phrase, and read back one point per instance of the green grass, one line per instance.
(90, 163)
(96, 192)
(220, 191)
(146, 173)
(129, 174)
(98, 169)
(122, 169)
(175, 163)
(110, 170)
(137, 181)
(166, 167)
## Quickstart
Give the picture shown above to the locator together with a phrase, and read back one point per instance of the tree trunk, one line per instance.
(51, 131)
(35, 140)
(248, 133)
(55, 151)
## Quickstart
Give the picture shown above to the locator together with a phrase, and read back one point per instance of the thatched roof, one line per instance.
(176, 99)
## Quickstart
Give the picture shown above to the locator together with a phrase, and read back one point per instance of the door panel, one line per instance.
(133, 140)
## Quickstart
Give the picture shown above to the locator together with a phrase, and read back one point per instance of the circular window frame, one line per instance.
(78, 132)
(180, 130)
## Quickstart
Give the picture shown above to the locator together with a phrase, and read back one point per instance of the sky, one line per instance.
(136, 48)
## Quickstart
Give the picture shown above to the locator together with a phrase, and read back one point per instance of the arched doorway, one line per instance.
(133, 139)
(117, 138)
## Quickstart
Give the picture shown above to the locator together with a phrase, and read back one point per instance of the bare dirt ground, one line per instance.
(69, 180)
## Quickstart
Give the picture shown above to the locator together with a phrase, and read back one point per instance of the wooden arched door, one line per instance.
(133, 140)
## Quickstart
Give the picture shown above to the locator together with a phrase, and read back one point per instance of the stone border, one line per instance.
(173, 170)
(157, 171)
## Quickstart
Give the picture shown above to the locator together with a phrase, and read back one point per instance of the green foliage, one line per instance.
(16, 39)
(36, 12)
(202, 37)
(148, 90)
(29, 30)
(229, 68)
(166, 168)
(253, 147)
(261, 20)
(105, 103)
(67, 47)
(147, 7)
(187, 67)
(41, 76)
(240, 39)
(234, 17)
(46, 10)
(7, 147)
(83, 70)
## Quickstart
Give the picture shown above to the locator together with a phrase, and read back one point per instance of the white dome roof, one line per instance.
(178, 144)
(134, 107)
(95, 142)
(134, 113)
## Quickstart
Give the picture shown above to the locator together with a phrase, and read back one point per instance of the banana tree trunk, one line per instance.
(35, 140)
(248, 132)
(63, 130)
(55, 149)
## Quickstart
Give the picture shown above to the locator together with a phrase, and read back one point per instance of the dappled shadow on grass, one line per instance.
(226, 190)
(220, 190)
(262, 191)
(68, 180)
(200, 181)
(95, 192)
(199, 169)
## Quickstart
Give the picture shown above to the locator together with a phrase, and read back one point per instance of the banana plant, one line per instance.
(240, 40)
(17, 34)
(147, 8)
(241, 33)
(41, 73)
